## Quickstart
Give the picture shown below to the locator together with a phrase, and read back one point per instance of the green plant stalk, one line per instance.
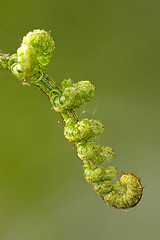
(29, 65)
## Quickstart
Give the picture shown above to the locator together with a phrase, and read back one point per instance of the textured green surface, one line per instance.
(32, 56)
(115, 45)
(29, 65)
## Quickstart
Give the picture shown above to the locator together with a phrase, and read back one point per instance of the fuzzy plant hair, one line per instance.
(29, 65)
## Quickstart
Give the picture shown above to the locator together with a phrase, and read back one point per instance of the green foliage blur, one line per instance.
(116, 45)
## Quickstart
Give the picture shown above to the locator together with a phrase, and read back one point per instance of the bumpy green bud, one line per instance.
(86, 128)
(85, 91)
(97, 128)
(75, 131)
(43, 44)
(126, 193)
(105, 154)
(62, 101)
(91, 151)
(24, 64)
(33, 55)
(87, 149)
(72, 96)
(109, 173)
(102, 188)
(93, 175)
(99, 174)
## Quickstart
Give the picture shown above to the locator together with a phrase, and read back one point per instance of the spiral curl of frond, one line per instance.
(72, 95)
(29, 65)
(32, 57)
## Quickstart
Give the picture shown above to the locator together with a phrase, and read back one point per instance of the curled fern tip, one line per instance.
(29, 65)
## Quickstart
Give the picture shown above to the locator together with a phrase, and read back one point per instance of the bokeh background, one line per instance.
(116, 45)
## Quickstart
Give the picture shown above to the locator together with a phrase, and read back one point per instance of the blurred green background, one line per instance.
(116, 45)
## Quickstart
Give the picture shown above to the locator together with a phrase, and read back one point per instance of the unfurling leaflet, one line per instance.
(29, 65)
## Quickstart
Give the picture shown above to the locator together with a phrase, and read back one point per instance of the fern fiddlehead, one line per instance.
(29, 65)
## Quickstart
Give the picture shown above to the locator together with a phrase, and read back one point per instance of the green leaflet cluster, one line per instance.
(35, 52)
(29, 65)
(72, 95)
